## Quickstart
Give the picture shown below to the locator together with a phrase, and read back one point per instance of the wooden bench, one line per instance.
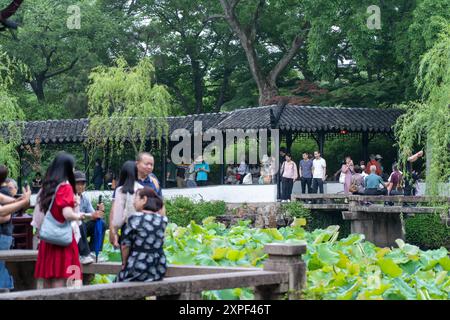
(283, 276)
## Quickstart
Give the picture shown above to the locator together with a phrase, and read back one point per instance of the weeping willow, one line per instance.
(11, 115)
(125, 105)
(427, 122)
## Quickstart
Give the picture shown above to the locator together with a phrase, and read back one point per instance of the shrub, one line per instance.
(427, 231)
(182, 210)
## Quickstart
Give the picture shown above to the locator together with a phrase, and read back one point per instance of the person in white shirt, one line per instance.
(319, 169)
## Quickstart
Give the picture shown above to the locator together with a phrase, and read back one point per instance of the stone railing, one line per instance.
(283, 277)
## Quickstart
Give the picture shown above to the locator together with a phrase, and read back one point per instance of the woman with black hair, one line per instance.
(122, 205)
(143, 256)
(56, 264)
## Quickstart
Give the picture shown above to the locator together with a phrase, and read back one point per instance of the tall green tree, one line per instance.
(122, 99)
(244, 18)
(427, 122)
(11, 114)
(60, 42)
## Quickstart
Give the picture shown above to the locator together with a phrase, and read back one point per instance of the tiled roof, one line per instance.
(294, 118)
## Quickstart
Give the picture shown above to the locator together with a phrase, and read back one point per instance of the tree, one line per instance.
(58, 52)
(11, 115)
(245, 26)
(427, 122)
(122, 99)
(189, 47)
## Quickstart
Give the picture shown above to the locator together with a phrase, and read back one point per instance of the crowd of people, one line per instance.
(137, 222)
(137, 219)
(361, 179)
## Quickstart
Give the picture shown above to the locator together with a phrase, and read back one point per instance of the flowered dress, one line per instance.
(56, 262)
(144, 235)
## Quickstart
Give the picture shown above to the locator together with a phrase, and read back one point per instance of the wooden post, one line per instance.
(279, 167)
(321, 138)
(284, 258)
(289, 141)
(19, 179)
(222, 157)
(86, 164)
(365, 146)
(163, 162)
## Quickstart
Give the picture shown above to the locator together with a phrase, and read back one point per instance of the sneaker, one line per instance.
(101, 258)
(86, 260)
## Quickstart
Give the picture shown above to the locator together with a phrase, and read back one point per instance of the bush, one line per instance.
(317, 219)
(427, 231)
(182, 210)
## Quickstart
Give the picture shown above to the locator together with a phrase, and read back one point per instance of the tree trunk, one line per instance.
(247, 35)
(197, 76)
(268, 94)
(224, 88)
(38, 87)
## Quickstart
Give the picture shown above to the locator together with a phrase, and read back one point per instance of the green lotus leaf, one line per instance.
(389, 267)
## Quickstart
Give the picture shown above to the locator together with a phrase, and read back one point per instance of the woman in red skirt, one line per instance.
(57, 265)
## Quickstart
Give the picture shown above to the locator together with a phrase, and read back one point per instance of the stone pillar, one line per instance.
(284, 258)
(380, 228)
(23, 274)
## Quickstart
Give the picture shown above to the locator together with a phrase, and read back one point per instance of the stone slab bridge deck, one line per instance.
(283, 277)
(369, 215)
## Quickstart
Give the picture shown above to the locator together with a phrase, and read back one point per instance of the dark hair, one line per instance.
(288, 154)
(283, 149)
(98, 161)
(60, 170)
(3, 174)
(37, 174)
(154, 202)
(357, 169)
(128, 176)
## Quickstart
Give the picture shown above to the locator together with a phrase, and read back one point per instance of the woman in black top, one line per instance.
(143, 257)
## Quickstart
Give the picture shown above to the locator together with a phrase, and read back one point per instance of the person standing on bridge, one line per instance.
(319, 171)
(348, 169)
(289, 175)
(305, 170)
(142, 242)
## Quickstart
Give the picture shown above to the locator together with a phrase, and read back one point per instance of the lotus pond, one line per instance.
(345, 269)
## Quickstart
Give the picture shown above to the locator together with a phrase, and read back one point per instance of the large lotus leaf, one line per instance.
(404, 289)
(235, 255)
(397, 256)
(343, 260)
(273, 233)
(445, 263)
(326, 255)
(349, 293)
(429, 259)
(219, 253)
(389, 267)
(351, 239)
(320, 278)
(205, 260)
(411, 267)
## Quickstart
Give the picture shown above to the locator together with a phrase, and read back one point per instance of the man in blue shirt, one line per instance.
(87, 229)
(372, 183)
(305, 173)
(201, 170)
